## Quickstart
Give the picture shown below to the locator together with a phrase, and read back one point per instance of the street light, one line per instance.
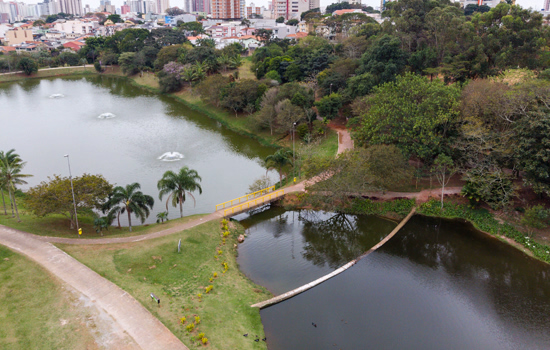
(72, 189)
(293, 156)
(330, 88)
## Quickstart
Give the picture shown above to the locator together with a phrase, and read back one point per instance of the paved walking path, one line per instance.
(46, 69)
(146, 330)
(344, 140)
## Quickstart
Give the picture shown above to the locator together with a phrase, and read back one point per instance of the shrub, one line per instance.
(302, 130)
(98, 67)
(200, 336)
(182, 320)
(328, 106)
(28, 65)
(536, 217)
(197, 319)
(208, 289)
(190, 327)
(204, 340)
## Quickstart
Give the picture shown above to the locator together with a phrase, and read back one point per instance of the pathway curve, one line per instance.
(146, 330)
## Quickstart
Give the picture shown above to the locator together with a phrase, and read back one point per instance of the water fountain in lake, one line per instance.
(171, 157)
(106, 116)
(57, 96)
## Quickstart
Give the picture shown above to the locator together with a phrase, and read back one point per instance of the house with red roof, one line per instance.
(74, 45)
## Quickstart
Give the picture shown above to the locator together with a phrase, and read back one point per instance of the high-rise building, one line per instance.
(124, 9)
(226, 9)
(252, 10)
(314, 4)
(290, 8)
(73, 7)
(187, 6)
(547, 5)
(162, 6)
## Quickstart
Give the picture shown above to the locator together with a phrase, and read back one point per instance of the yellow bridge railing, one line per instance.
(244, 198)
(252, 203)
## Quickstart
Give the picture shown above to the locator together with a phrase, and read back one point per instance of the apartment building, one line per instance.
(226, 9)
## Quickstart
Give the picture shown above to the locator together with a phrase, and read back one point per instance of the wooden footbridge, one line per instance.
(249, 201)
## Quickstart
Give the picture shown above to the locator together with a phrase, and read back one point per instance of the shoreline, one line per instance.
(87, 71)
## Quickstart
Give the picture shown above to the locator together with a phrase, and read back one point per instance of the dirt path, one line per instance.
(421, 196)
(344, 140)
(134, 320)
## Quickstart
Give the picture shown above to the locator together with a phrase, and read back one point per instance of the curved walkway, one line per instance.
(146, 330)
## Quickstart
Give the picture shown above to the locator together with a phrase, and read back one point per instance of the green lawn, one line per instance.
(36, 312)
(58, 225)
(156, 267)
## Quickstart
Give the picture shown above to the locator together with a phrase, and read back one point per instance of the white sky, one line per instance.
(535, 4)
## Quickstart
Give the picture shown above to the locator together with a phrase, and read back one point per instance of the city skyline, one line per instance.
(534, 4)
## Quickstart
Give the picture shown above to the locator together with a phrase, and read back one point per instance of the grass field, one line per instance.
(176, 278)
(36, 311)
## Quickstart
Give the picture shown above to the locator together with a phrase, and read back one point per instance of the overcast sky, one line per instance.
(535, 4)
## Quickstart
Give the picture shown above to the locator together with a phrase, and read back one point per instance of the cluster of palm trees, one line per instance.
(11, 167)
(198, 71)
(131, 200)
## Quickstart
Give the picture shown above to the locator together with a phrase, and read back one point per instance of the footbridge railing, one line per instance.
(245, 198)
(254, 203)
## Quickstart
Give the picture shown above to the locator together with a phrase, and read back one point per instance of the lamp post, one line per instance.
(293, 155)
(72, 189)
(330, 89)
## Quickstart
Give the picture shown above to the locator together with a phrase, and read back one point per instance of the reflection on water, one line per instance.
(124, 149)
(437, 284)
(286, 249)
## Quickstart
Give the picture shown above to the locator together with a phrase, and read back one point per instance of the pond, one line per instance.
(437, 284)
(113, 128)
(284, 250)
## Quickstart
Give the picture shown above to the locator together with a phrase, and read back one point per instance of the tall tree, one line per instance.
(11, 166)
(412, 113)
(443, 169)
(128, 199)
(177, 185)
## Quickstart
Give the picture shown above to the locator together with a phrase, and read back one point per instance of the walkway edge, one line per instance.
(336, 272)
(138, 322)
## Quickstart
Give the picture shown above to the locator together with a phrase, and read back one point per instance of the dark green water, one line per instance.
(126, 148)
(437, 284)
(287, 249)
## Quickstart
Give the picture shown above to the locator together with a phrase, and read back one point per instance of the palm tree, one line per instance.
(3, 186)
(187, 75)
(235, 61)
(198, 72)
(11, 166)
(224, 61)
(177, 185)
(278, 161)
(129, 199)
